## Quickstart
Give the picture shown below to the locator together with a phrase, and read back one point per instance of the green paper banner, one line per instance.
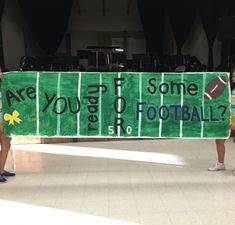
(112, 104)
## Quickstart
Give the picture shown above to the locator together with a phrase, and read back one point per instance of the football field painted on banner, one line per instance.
(154, 105)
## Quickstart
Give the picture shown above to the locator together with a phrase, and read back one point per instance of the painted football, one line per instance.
(215, 87)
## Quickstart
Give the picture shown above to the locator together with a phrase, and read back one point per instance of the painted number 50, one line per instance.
(111, 130)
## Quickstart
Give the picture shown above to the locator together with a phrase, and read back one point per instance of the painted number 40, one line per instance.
(111, 130)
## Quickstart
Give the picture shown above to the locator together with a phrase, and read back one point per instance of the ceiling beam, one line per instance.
(128, 7)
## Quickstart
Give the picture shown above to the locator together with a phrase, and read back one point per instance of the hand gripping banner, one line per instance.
(113, 104)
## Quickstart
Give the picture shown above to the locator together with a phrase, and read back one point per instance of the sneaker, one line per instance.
(7, 174)
(217, 167)
(2, 179)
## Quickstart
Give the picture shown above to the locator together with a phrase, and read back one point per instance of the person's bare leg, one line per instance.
(220, 147)
(5, 146)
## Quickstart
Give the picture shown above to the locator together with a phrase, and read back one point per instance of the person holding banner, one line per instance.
(5, 142)
(220, 143)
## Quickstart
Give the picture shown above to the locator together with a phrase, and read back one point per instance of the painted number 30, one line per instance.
(111, 130)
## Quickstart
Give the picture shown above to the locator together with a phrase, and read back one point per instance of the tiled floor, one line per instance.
(147, 182)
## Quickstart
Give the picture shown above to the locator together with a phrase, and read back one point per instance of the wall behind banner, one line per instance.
(12, 34)
(91, 28)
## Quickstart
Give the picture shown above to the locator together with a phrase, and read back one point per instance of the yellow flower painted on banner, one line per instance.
(12, 118)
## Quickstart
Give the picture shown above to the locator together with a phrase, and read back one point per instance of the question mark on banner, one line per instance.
(224, 108)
